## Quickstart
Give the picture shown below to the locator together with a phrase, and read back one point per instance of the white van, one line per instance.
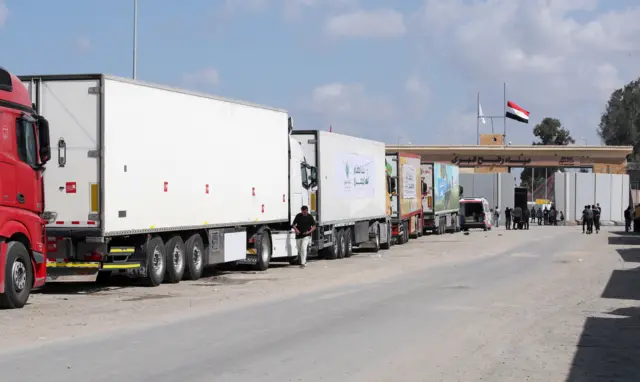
(475, 213)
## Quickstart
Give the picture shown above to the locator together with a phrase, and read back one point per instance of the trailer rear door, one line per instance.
(71, 178)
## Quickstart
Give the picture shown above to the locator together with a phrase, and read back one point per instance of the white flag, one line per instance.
(481, 114)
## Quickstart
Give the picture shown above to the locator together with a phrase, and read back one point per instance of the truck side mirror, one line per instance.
(313, 177)
(44, 139)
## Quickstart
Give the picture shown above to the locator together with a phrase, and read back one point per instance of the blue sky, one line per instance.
(395, 71)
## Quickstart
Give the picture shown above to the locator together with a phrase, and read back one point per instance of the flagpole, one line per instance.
(478, 121)
(504, 104)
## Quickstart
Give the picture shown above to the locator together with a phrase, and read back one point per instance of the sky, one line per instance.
(397, 71)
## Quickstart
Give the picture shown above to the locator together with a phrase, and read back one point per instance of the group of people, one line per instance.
(519, 217)
(547, 216)
(591, 218)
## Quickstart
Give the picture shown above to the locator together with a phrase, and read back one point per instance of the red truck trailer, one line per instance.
(24, 150)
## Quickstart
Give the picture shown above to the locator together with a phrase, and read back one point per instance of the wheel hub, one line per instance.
(197, 257)
(178, 257)
(19, 275)
(157, 260)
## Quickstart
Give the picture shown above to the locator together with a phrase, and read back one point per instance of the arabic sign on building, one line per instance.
(356, 174)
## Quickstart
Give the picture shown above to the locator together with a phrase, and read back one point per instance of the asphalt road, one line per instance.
(521, 314)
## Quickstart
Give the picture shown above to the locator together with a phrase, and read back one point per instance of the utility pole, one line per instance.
(135, 39)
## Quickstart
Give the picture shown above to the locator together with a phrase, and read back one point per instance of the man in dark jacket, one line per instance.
(589, 220)
(526, 218)
(507, 217)
(539, 215)
(597, 211)
(584, 218)
(627, 219)
(517, 217)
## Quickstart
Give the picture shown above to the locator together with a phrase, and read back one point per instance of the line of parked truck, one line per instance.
(104, 175)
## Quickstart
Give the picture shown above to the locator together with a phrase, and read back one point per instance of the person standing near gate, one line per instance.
(589, 220)
(496, 217)
(507, 217)
(596, 216)
(627, 219)
(304, 224)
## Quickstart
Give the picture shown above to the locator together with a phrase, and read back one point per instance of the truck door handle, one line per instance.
(62, 152)
(20, 198)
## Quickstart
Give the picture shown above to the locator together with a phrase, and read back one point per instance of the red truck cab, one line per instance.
(24, 150)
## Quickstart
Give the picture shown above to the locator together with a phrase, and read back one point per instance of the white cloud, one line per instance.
(558, 65)
(4, 13)
(382, 23)
(83, 44)
(203, 78)
(350, 101)
(350, 109)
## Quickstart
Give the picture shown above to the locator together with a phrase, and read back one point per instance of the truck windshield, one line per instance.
(27, 143)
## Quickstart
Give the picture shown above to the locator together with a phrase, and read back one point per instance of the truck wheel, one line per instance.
(194, 258)
(175, 260)
(156, 261)
(263, 250)
(348, 243)
(376, 240)
(331, 253)
(386, 244)
(406, 232)
(342, 244)
(18, 277)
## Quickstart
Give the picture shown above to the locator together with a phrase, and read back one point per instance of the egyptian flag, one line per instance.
(516, 112)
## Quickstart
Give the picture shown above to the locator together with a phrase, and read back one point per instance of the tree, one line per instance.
(549, 132)
(620, 122)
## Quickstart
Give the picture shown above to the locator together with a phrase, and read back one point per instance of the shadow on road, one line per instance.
(609, 347)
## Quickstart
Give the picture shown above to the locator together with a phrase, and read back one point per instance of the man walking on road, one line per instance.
(496, 216)
(304, 224)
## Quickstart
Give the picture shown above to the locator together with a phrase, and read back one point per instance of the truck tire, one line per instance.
(406, 232)
(342, 244)
(263, 250)
(348, 243)
(331, 253)
(386, 244)
(175, 260)
(156, 261)
(18, 277)
(194, 257)
(376, 240)
(400, 240)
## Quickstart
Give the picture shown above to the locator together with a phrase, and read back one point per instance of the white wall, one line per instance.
(575, 190)
(498, 189)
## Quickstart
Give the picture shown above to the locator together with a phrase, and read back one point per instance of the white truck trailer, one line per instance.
(160, 182)
(440, 197)
(349, 198)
